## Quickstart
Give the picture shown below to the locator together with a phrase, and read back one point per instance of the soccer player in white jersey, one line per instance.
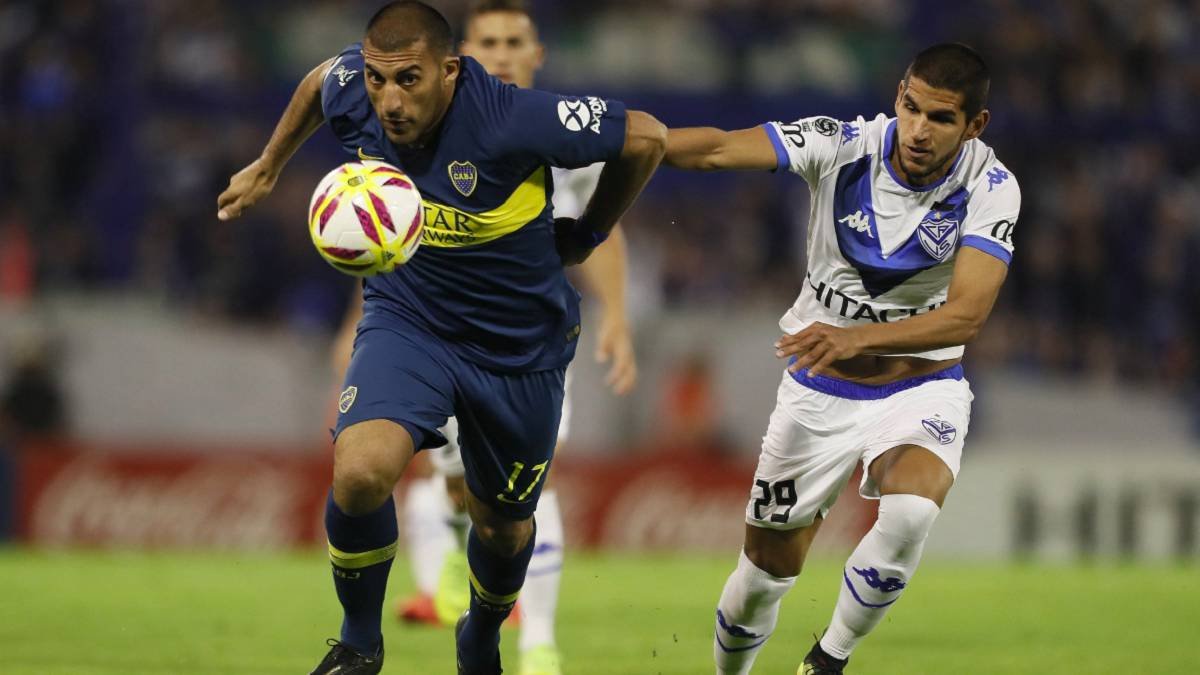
(502, 36)
(910, 236)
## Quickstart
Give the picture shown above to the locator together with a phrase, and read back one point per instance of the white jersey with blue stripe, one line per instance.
(880, 250)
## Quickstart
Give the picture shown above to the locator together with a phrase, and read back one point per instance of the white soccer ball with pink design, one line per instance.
(366, 217)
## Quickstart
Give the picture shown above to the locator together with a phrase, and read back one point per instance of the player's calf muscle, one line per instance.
(506, 539)
(503, 536)
(780, 553)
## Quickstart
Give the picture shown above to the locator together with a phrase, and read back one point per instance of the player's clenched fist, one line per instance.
(246, 187)
(817, 346)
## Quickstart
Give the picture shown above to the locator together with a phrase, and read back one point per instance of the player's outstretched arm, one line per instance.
(301, 118)
(620, 182)
(710, 149)
(973, 291)
(604, 275)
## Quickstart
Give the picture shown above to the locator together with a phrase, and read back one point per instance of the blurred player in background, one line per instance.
(502, 36)
(910, 237)
(479, 325)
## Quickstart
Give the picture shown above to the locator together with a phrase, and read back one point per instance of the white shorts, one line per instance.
(821, 429)
(447, 460)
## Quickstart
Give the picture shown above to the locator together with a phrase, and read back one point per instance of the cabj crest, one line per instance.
(347, 399)
(463, 176)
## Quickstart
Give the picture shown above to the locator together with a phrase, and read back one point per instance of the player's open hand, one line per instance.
(615, 345)
(246, 187)
(817, 346)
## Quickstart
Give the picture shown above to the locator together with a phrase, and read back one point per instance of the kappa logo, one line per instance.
(940, 429)
(938, 233)
(734, 629)
(464, 176)
(849, 132)
(888, 585)
(347, 399)
(995, 177)
(858, 222)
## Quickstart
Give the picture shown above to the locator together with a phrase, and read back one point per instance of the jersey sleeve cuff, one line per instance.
(616, 113)
(989, 247)
(781, 156)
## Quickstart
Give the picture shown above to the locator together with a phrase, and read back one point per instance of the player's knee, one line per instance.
(505, 538)
(907, 518)
(360, 488)
(913, 471)
(369, 458)
(774, 562)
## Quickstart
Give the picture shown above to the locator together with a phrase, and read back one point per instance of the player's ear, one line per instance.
(451, 66)
(541, 56)
(899, 96)
(976, 125)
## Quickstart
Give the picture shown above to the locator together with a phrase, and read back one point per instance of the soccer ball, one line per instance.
(365, 218)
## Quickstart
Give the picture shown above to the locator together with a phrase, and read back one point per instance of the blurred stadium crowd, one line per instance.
(121, 120)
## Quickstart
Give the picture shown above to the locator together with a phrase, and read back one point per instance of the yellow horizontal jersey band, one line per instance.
(488, 596)
(354, 561)
(448, 227)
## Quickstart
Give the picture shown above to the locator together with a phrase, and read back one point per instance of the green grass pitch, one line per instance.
(135, 614)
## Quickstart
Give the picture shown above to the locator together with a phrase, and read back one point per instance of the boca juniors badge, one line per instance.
(347, 399)
(463, 176)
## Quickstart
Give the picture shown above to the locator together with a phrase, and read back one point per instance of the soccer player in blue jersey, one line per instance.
(910, 236)
(502, 36)
(480, 324)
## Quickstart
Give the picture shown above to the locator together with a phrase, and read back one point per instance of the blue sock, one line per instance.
(361, 549)
(495, 583)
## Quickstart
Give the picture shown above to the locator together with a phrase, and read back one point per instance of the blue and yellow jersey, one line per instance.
(487, 277)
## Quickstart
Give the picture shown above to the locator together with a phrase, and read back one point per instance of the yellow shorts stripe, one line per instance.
(354, 561)
(488, 596)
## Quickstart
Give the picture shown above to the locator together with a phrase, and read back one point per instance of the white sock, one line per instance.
(539, 595)
(879, 569)
(746, 615)
(428, 533)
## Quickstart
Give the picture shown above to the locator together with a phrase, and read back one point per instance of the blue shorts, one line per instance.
(508, 423)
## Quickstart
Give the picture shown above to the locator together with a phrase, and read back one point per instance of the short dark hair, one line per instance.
(481, 7)
(955, 67)
(397, 25)
(488, 6)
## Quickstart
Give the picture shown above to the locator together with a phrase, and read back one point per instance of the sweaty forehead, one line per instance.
(931, 98)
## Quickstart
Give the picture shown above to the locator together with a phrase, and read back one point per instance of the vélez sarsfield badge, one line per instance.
(938, 233)
(463, 176)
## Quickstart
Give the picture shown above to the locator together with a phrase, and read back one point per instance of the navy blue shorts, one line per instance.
(508, 423)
